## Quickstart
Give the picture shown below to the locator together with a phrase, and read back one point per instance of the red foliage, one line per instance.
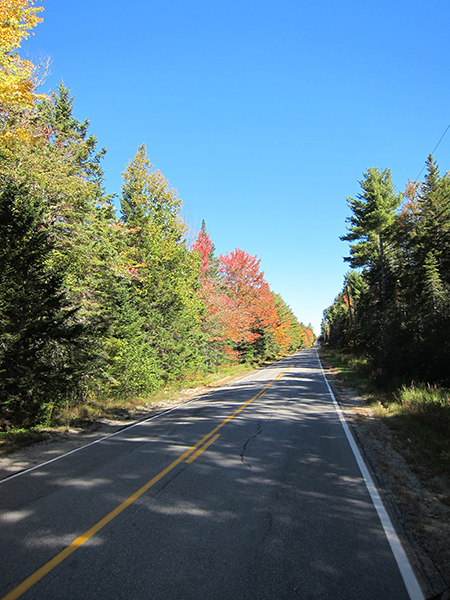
(238, 302)
(204, 246)
(249, 292)
(223, 320)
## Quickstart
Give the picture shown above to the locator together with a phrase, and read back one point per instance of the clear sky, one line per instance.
(264, 115)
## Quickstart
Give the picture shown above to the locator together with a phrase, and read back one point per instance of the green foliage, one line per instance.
(398, 312)
(62, 129)
(370, 226)
(434, 295)
(158, 311)
(343, 323)
(148, 201)
(42, 346)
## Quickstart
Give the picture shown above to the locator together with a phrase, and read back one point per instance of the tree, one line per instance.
(289, 335)
(371, 224)
(204, 246)
(396, 310)
(62, 171)
(63, 130)
(345, 321)
(68, 168)
(148, 200)
(250, 292)
(18, 79)
(165, 273)
(42, 345)
(426, 280)
(433, 219)
(218, 309)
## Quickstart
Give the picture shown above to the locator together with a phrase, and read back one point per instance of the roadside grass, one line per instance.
(418, 414)
(83, 415)
(354, 371)
(19, 438)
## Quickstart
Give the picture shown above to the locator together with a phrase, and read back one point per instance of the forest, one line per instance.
(100, 302)
(393, 310)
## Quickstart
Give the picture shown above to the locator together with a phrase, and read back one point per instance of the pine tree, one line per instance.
(370, 226)
(433, 220)
(427, 280)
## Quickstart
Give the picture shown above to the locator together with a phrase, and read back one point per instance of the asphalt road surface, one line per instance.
(251, 492)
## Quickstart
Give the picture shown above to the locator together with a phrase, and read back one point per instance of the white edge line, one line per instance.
(126, 428)
(411, 583)
(25, 471)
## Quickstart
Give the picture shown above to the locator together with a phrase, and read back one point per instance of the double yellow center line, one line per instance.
(190, 455)
(208, 440)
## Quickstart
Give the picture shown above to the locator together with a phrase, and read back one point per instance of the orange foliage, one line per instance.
(238, 302)
(283, 333)
(308, 335)
(223, 320)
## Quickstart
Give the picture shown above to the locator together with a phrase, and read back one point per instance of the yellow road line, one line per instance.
(56, 560)
(203, 448)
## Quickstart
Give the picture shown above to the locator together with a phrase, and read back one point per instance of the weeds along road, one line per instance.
(250, 492)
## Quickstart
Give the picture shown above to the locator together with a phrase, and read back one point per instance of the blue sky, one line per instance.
(263, 115)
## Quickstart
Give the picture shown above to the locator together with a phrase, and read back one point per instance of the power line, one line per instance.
(442, 137)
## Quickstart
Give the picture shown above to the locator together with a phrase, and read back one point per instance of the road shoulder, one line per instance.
(414, 498)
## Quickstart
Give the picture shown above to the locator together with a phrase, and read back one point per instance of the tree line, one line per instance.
(393, 309)
(94, 302)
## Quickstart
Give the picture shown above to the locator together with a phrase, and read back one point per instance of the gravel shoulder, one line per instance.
(418, 501)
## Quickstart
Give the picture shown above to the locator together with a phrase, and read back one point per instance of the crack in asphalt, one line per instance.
(258, 432)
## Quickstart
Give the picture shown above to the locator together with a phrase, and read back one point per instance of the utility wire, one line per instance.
(442, 137)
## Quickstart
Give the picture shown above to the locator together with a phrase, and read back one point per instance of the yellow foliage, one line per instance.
(17, 75)
(16, 18)
(10, 139)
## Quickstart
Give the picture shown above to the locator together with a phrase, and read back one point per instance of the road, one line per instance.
(251, 492)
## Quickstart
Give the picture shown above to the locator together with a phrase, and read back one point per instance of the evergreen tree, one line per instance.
(370, 226)
(433, 220)
(401, 319)
(163, 273)
(62, 129)
(427, 281)
(42, 346)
